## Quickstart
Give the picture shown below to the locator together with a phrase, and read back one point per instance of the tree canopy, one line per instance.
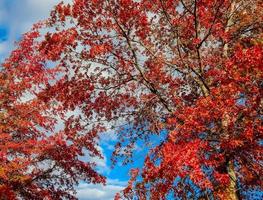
(38, 160)
(190, 67)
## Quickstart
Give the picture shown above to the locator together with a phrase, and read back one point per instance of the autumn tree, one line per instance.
(186, 71)
(38, 160)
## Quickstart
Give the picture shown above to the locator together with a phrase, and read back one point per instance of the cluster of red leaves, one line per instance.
(244, 129)
(193, 68)
(36, 160)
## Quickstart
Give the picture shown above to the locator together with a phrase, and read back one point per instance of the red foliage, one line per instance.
(36, 160)
(192, 68)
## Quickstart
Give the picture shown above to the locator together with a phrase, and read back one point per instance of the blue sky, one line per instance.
(16, 18)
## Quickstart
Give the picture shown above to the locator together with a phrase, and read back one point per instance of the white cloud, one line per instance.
(109, 136)
(101, 163)
(100, 192)
(19, 16)
(3, 47)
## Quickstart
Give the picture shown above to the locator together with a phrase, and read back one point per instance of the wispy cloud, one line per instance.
(100, 192)
(19, 16)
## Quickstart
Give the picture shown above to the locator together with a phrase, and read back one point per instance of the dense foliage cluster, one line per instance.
(37, 159)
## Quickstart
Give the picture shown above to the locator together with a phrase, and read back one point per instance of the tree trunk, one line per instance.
(231, 189)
